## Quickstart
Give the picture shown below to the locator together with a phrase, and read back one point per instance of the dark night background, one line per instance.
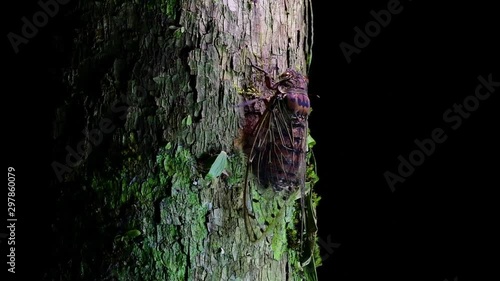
(439, 224)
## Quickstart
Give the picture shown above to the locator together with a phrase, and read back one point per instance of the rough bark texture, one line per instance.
(153, 93)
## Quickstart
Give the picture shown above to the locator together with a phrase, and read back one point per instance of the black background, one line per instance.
(439, 224)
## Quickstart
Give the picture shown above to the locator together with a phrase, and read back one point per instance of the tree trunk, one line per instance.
(154, 93)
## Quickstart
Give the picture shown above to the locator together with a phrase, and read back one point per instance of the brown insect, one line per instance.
(277, 147)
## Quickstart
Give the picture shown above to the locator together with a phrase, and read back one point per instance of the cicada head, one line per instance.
(293, 86)
(292, 80)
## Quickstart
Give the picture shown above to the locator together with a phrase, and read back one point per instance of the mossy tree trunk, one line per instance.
(153, 95)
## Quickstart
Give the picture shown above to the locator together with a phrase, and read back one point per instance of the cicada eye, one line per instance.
(286, 75)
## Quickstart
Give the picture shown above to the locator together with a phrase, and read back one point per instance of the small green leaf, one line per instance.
(310, 141)
(160, 79)
(132, 233)
(187, 121)
(218, 166)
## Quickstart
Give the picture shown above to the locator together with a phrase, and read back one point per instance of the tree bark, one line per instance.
(154, 88)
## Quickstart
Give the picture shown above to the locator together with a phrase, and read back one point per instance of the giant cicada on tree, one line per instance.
(278, 149)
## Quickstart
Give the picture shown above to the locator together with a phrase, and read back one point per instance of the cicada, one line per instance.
(277, 149)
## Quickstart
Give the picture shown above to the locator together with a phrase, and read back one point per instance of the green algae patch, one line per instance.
(161, 214)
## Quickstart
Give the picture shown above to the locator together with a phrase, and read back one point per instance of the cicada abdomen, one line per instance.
(277, 144)
(279, 139)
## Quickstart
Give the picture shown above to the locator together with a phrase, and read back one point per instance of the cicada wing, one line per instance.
(294, 146)
(277, 160)
(258, 142)
(267, 163)
(288, 149)
(294, 140)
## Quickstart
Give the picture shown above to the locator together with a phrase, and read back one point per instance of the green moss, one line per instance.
(179, 32)
(171, 8)
(177, 161)
(274, 214)
(281, 217)
(167, 7)
(166, 246)
(279, 243)
(309, 60)
(176, 262)
(236, 169)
